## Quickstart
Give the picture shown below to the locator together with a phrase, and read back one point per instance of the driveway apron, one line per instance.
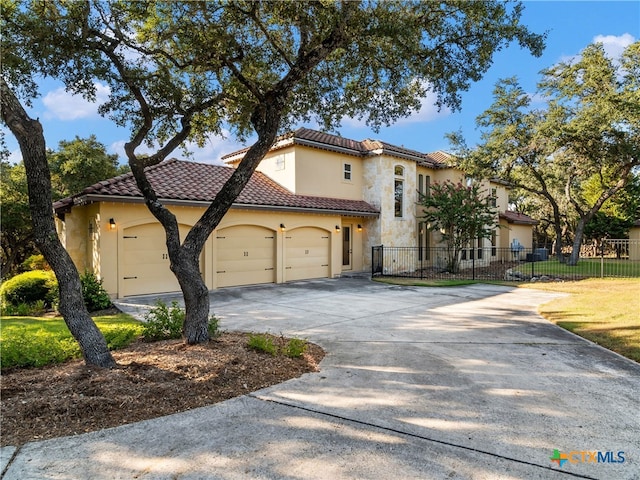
(434, 383)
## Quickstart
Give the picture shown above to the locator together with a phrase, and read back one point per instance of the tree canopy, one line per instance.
(182, 71)
(212, 64)
(576, 152)
(79, 163)
(16, 235)
(75, 165)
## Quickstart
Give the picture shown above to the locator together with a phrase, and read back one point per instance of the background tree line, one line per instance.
(76, 164)
(571, 150)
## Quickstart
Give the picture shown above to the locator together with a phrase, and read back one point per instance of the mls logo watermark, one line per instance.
(586, 456)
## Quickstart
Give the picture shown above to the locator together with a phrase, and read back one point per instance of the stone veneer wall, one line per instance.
(378, 190)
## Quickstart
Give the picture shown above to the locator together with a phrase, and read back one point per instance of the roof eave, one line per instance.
(91, 198)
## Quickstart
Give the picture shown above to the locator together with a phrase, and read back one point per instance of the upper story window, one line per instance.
(424, 186)
(346, 171)
(398, 189)
(280, 162)
(494, 197)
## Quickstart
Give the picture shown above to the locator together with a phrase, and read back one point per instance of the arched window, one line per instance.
(398, 172)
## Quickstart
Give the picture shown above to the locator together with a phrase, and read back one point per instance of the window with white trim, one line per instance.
(346, 171)
(398, 190)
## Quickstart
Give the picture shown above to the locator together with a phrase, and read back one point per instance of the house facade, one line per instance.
(315, 207)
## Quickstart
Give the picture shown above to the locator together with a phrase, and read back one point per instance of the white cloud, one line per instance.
(211, 152)
(614, 45)
(63, 105)
(427, 113)
(215, 148)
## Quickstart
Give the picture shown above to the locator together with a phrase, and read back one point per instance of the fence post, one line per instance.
(533, 263)
(378, 266)
(373, 260)
(473, 262)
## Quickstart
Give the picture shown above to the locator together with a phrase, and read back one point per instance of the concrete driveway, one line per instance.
(447, 383)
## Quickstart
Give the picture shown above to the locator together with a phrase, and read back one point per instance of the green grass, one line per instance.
(585, 268)
(38, 341)
(412, 282)
(604, 311)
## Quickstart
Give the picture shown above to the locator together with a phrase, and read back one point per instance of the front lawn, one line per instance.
(38, 341)
(604, 311)
(596, 267)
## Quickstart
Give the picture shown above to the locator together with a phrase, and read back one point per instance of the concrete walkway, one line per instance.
(418, 383)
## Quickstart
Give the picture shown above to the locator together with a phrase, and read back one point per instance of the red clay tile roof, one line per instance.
(179, 180)
(440, 157)
(518, 218)
(327, 141)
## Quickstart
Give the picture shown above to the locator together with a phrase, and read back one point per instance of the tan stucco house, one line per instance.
(314, 208)
(634, 241)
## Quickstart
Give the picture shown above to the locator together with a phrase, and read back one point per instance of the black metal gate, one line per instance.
(377, 257)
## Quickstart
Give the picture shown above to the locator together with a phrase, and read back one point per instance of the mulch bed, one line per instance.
(152, 379)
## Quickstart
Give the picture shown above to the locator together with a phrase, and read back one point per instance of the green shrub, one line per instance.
(22, 348)
(262, 343)
(214, 327)
(35, 262)
(29, 288)
(94, 294)
(166, 323)
(295, 347)
(23, 309)
(162, 322)
(121, 336)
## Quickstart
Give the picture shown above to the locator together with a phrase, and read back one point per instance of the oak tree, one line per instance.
(183, 71)
(79, 163)
(587, 134)
(72, 307)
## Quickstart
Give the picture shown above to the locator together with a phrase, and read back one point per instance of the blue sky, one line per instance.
(571, 26)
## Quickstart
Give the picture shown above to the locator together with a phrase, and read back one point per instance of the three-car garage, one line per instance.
(240, 255)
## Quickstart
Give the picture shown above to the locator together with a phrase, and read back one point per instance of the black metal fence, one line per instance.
(491, 263)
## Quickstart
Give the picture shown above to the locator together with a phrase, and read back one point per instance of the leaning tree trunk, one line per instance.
(29, 134)
(558, 243)
(557, 227)
(196, 299)
(577, 242)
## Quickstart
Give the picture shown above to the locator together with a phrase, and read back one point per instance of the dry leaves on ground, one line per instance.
(152, 379)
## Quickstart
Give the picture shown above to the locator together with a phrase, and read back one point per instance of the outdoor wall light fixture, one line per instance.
(282, 227)
(359, 227)
(337, 228)
(112, 224)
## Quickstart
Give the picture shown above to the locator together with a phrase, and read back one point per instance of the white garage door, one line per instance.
(306, 253)
(144, 267)
(245, 256)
